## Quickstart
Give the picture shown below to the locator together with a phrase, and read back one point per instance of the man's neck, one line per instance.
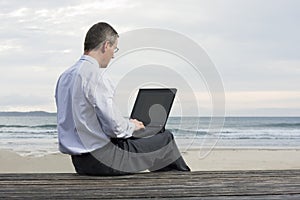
(95, 55)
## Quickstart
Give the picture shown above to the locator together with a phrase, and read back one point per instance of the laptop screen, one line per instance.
(152, 106)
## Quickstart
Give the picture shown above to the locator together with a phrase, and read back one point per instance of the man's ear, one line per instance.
(105, 46)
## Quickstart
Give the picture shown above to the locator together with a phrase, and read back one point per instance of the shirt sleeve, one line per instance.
(110, 118)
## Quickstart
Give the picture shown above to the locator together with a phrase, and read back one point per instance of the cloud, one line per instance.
(263, 103)
(20, 100)
(252, 43)
(31, 101)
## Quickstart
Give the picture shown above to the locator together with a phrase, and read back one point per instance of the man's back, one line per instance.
(78, 127)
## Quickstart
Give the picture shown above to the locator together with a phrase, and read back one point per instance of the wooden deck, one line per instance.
(283, 184)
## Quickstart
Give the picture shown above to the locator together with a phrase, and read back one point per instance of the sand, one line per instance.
(217, 159)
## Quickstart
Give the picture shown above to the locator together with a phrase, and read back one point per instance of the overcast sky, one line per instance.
(254, 45)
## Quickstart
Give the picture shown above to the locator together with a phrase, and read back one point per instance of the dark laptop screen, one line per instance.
(152, 106)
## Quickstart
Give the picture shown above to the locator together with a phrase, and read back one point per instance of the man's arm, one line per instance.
(110, 118)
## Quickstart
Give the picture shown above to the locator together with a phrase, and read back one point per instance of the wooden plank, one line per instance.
(209, 185)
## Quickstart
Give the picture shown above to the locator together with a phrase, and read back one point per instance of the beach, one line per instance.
(29, 143)
(218, 159)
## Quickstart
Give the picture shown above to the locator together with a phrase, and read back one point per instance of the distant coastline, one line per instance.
(44, 113)
(30, 113)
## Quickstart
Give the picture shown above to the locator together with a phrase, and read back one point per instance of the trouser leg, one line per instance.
(160, 152)
(123, 156)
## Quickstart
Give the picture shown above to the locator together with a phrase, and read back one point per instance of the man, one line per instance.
(91, 128)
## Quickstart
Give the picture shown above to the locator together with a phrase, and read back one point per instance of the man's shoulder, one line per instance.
(69, 72)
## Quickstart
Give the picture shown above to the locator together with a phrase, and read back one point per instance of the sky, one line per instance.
(253, 44)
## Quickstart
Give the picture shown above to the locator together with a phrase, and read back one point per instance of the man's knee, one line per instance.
(168, 134)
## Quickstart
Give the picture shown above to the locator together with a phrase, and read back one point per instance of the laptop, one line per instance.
(152, 107)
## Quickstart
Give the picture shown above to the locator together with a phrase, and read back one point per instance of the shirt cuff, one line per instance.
(131, 129)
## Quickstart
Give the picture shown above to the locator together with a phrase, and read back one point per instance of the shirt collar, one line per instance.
(89, 59)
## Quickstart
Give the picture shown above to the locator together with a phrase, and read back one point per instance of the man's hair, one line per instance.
(98, 34)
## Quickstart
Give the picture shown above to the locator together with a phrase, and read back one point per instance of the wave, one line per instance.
(188, 131)
(46, 126)
(237, 134)
(29, 131)
(260, 138)
(280, 125)
(197, 132)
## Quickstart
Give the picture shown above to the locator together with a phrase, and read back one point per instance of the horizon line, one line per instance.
(52, 113)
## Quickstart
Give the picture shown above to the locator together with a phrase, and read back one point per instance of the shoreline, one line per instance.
(42, 153)
(218, 159)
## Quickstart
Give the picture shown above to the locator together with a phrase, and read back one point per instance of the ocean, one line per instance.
(36, 135)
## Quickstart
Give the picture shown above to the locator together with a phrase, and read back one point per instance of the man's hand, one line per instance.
(138, 124)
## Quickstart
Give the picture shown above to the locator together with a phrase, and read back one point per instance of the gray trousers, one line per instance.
(126, 156)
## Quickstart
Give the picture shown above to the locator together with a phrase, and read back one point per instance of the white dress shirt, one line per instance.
(86, 114)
